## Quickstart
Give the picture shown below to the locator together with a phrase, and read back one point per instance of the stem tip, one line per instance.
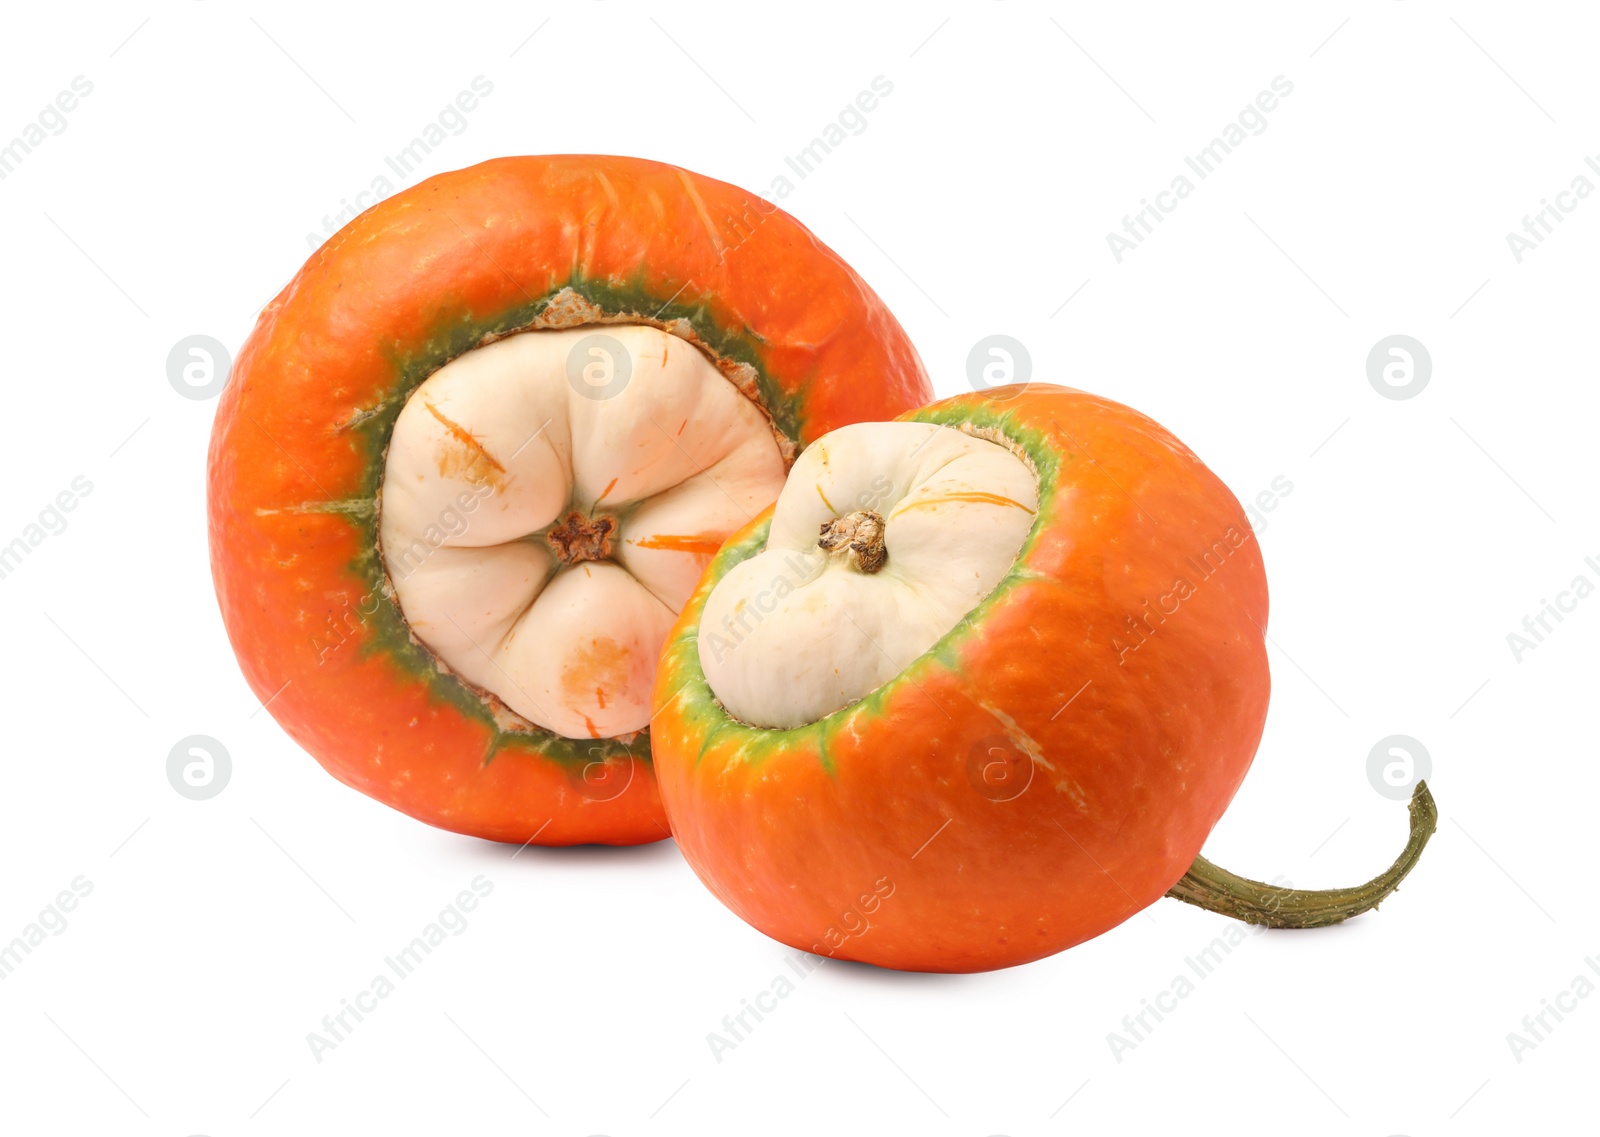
(1218, 890)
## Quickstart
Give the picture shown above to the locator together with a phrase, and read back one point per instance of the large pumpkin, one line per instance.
(976, 690)
(475, 455)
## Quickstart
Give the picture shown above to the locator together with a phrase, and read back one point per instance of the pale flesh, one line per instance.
(796, 632)
(501, 447)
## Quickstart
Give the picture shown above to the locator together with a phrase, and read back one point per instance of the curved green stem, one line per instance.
(1218, 890)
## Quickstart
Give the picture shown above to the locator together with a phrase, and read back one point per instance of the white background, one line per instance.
(1417, 535)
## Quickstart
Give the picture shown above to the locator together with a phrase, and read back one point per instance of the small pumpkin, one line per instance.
(476, 454)
(976, 690)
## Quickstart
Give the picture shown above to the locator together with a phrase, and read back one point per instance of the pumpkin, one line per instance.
(976, 689)
(476, 454)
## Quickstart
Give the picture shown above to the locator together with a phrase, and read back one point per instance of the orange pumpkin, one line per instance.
(976, 690)
(369, 417)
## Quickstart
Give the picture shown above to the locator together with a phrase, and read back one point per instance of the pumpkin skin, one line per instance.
(880, 832)
(297, 450)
